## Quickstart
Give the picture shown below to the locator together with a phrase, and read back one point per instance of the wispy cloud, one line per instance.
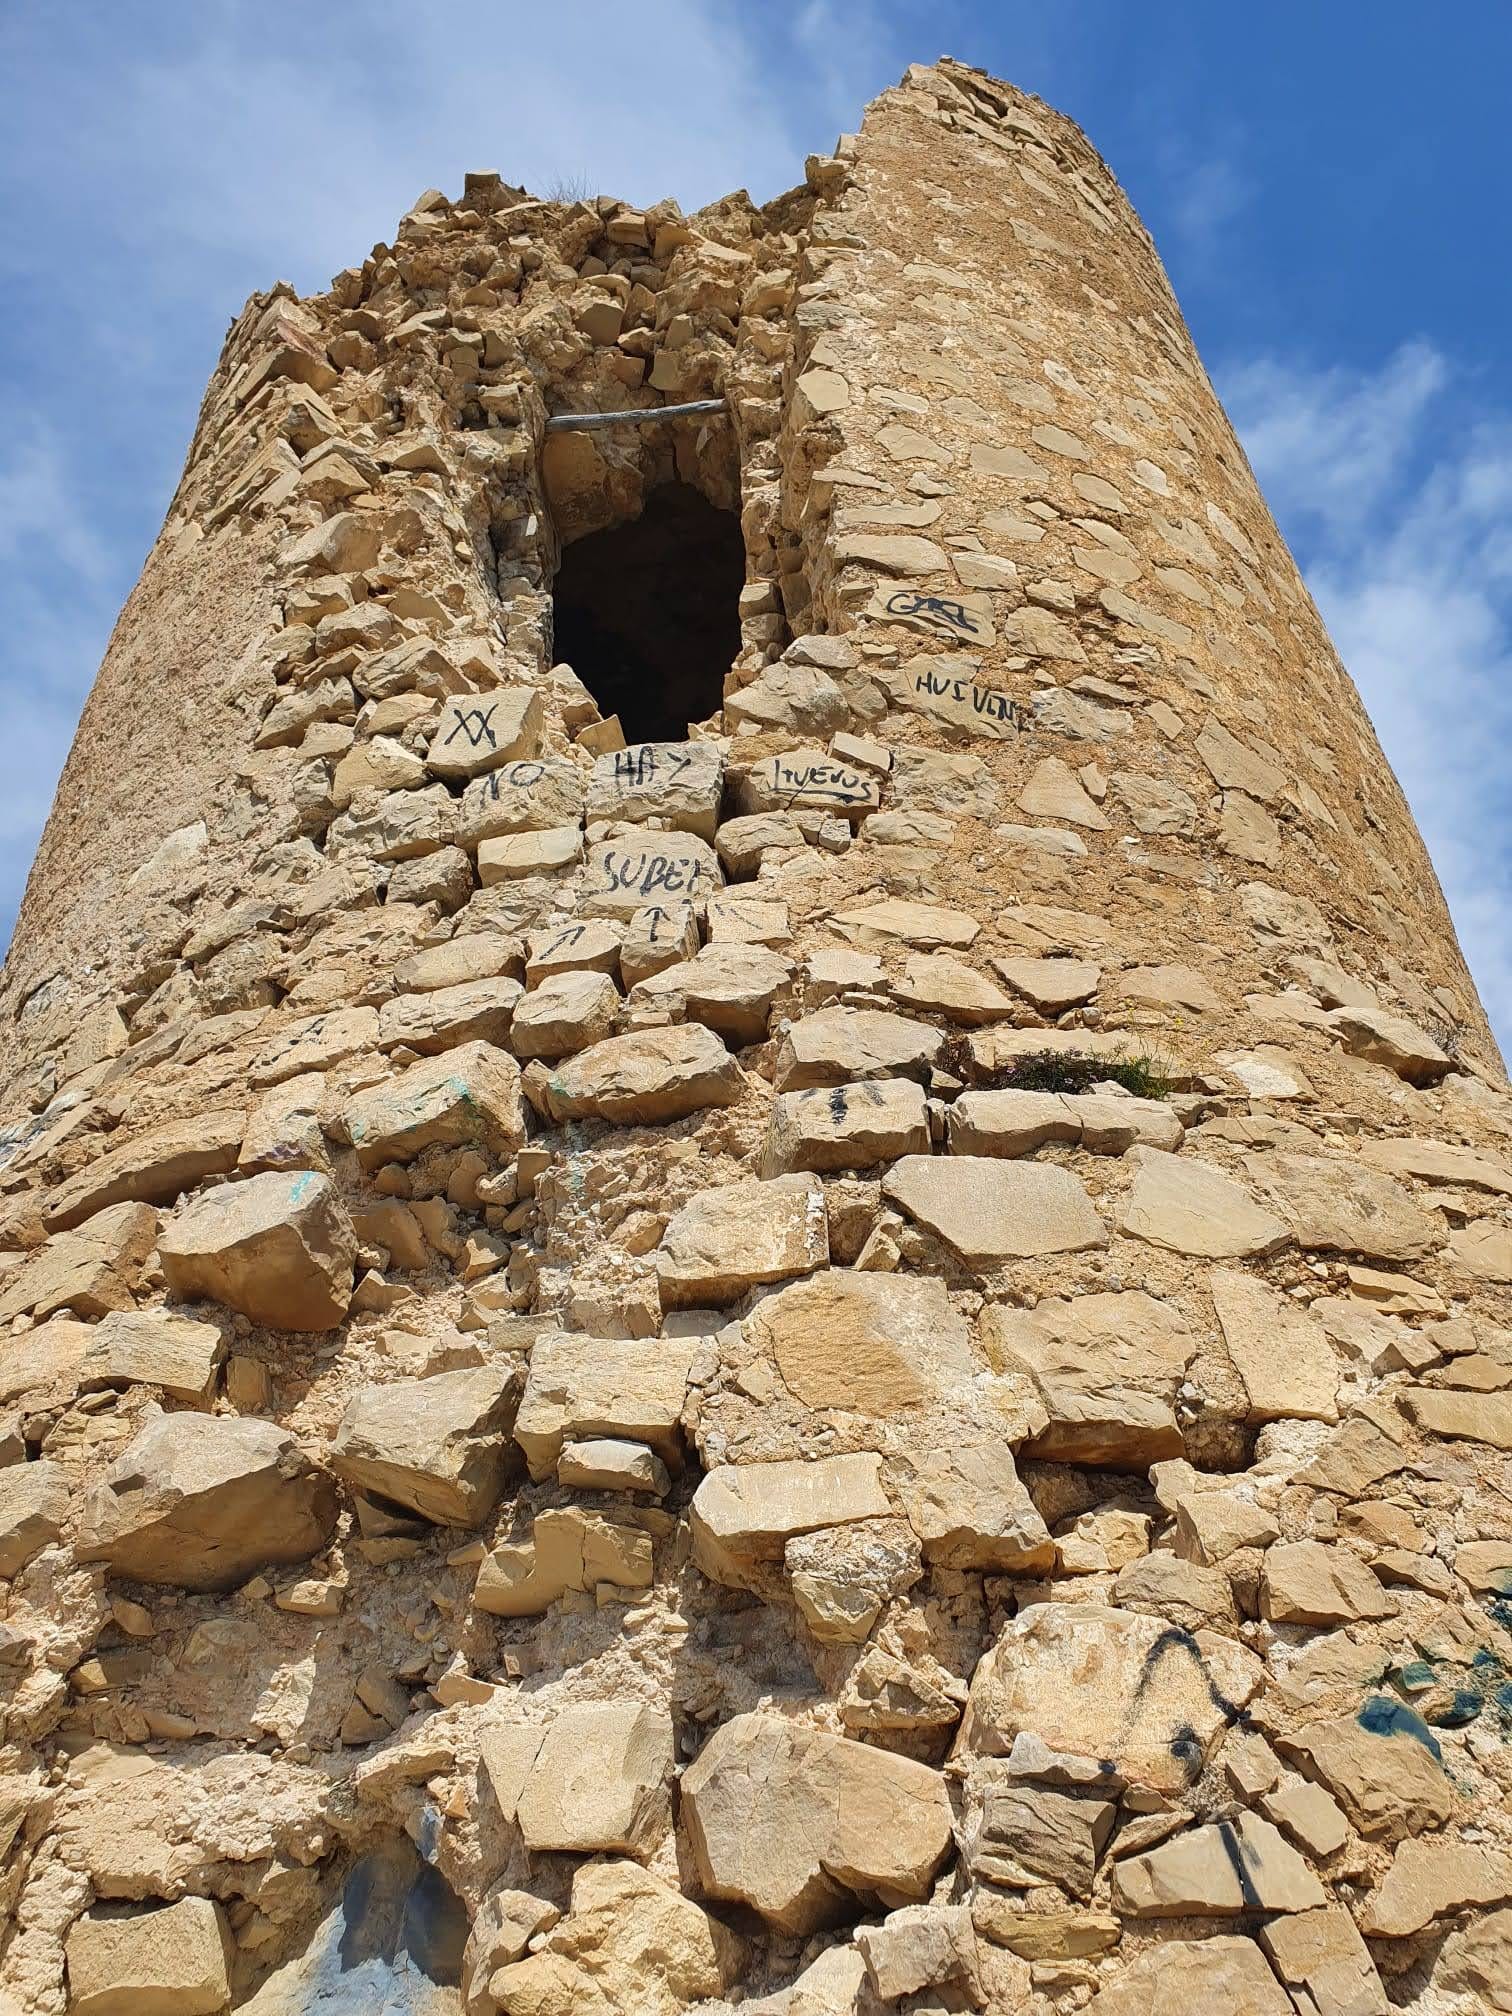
(1397, 498)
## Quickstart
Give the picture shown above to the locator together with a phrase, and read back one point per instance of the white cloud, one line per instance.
(1397, 502)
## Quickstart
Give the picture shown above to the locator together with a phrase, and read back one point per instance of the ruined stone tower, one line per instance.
(756, 1224)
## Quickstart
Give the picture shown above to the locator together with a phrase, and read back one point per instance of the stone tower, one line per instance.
(756, 1230)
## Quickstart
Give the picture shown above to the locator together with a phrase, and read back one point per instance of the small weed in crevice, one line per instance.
(1063, 1071)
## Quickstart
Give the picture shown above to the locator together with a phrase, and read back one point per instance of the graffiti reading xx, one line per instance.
(934, 608)
(476, 724)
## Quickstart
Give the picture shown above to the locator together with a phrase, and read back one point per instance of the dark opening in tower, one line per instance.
(647, 613)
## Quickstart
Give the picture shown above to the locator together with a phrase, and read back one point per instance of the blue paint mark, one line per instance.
(1463, 1709)
(1416, 1675)
(1381, 1716)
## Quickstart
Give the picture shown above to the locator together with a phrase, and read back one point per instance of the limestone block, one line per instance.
(1466, 1416)
(45, 1360)
(935, 984)
(838, 1045)
(467, 1097)
(730, 988)
(573, 948)
(625, 874)
(201, 1501)
(438, 1446)
(567, 1550)
(989, 1211)
(400, 826)
(1383, 1766)
(645, 1078)
(808, 780)
(88, 1271)
(743, 843)
(746, 1512)
(1016, 1123)
(1236, 1865)
(964, 1499)
(1031, 1834)
(1477, 1961)
(565, 1013)
(444, 1018)
(631, 1945)
(1053, 791)
(1108, 1684)
(1309, 1582)
(1439, 1162)
(845, 1126)
(842, 1575)
(278, 1248)
(600, 1781)
(657, 936)
(866, 1344)
(479, 732)
(788, 1819)
(1180, 1978)
(33, 1506)
(1283, 1355)
(174, 1961)
(1431, 1879)
(926, 926)
(154, 1168)
(131, 1347)
(739, 1236)
(1191, 1207)
(1339, 1206)
(1324, 1961)
(1390, 1040)
(922, 1946)
(678, 783)
(530, 796)
(1051, 985)
(633, 1388)
(513, 857)
(605, 1463)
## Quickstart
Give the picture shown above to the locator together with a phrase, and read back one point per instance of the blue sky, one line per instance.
(1328, 185)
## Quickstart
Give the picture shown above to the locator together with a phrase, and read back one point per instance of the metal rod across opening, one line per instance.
(639, 416)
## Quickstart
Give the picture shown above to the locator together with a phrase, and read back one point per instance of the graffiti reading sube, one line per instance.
(645, 874)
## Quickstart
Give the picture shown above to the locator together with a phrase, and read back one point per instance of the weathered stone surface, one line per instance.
(1333, 1205)
(679, 783)
(989, 1211)
(174, 1961)
(1191, 1207)
(630, 1945)
(624, 875)
(1236, 1865)
(1390, 1040)
(201, 1501)
(469, 1097)
(568, 1550)
(1030, 1834)
(871, 1344)
(845, 1126)
(927, 926)
(728, 1240)
(964, 1499)
(841, 1576)
(1471, 1417)
(152, 1168)
(132, 1347)
(566, 1012)
(478, 732)
(1306, 1582)
(746, 1512)
(33, 1506)
(606, 1463)
(648, 1077)
(1051, 985)
(1430, 1879)
(633, 1388)
(1144, 1700)
(922, 1946)
(88, 1271)
(278, 1248)
(1288, 1366)
(788, 1819)
(1106, 1367)
(1322, 1958)
(1383, 1766)
(437, 1446)
(1016, 1123)
(475, 1011)
(841, 1044)
(730, 988)
(600, 1781)
(1477, 1961)
(1178, 1978)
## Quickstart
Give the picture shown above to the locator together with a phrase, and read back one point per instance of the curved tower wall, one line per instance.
(891, 1319)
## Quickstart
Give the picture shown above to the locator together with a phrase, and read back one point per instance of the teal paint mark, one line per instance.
(1460, 1711)
(1382, 1717)
(1416, 1675)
